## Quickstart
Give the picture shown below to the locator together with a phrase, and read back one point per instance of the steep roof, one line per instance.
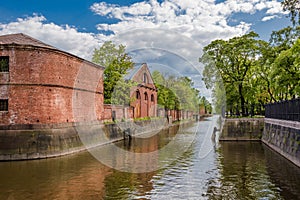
(22, 39)
(131, 75)
(133, 71)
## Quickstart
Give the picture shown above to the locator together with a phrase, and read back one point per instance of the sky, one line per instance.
(166, 34)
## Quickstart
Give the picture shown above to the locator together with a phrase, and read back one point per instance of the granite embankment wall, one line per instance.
(242, 129)
(25, 142)
(282, 136)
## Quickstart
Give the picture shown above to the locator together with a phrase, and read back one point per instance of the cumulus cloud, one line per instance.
(202, 21)
(179, 27)
(267, 18)
(66, 37)
(174, 13)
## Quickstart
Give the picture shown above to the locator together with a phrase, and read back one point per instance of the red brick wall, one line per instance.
(48, 86)
(121, 112)
(144, 108)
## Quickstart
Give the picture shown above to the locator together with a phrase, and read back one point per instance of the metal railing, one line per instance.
(285, 110)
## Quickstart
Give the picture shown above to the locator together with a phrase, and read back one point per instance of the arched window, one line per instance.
(146, 96)
(138, 95)
(152, 97)
(145, 78)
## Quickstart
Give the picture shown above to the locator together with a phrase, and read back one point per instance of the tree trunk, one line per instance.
(242, 99)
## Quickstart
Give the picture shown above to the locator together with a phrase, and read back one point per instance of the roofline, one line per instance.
(14, 45)
(150, 75)
(140, 66)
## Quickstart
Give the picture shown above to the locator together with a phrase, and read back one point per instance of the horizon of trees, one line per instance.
(178, 93)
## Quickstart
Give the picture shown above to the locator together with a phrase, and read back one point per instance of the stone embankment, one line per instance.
(282, 136)
(242, 129)
(26, 142)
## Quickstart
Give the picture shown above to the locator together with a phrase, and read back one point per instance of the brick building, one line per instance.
(40, 84)
(145, 93)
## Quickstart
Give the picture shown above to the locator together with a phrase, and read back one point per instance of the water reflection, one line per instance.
(243, 173)
(206, 170)
(283, 174)
(69, 177)
(147, 154)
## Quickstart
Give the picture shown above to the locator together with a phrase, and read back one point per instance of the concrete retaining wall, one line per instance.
(283, 137)
(23, 142)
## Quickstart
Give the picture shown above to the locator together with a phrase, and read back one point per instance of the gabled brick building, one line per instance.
(145, 93)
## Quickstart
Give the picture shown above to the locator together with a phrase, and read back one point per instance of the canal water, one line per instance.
(203, 169)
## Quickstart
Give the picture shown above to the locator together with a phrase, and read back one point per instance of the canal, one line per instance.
(192, 167)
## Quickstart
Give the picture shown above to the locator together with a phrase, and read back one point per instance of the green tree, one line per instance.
(121, 93)
(283, 39)
(286, 72)
(293, 6)
(206, 104)
(273, 63)
(166, 98)
(233, 60)
(176, 92)
(188, 97)
(116, 63)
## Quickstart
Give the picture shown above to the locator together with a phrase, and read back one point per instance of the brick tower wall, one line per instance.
(45, 86)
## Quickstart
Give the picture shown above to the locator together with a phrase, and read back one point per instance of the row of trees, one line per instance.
(174, 93)
(178, 93)
(246, 73)
(253, 72)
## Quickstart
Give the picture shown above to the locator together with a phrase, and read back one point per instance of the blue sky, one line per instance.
(78, 14)
(154, 31)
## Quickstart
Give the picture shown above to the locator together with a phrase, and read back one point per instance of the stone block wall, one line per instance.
(284, 137)
(242, 129)
(37, 141)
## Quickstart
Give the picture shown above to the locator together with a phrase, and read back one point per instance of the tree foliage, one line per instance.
(176, 93)
(206, 105)
(284, 39)
(293, 6)
(116, 63)
(286, 72)
(233, 61)
(253, 72)
(121, 93)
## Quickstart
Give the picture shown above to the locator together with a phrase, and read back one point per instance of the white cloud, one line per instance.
(65, 37)
(267, 18)
(180, 27)
(192, 18)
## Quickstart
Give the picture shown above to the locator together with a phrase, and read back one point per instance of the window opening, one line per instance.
(4, 64)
